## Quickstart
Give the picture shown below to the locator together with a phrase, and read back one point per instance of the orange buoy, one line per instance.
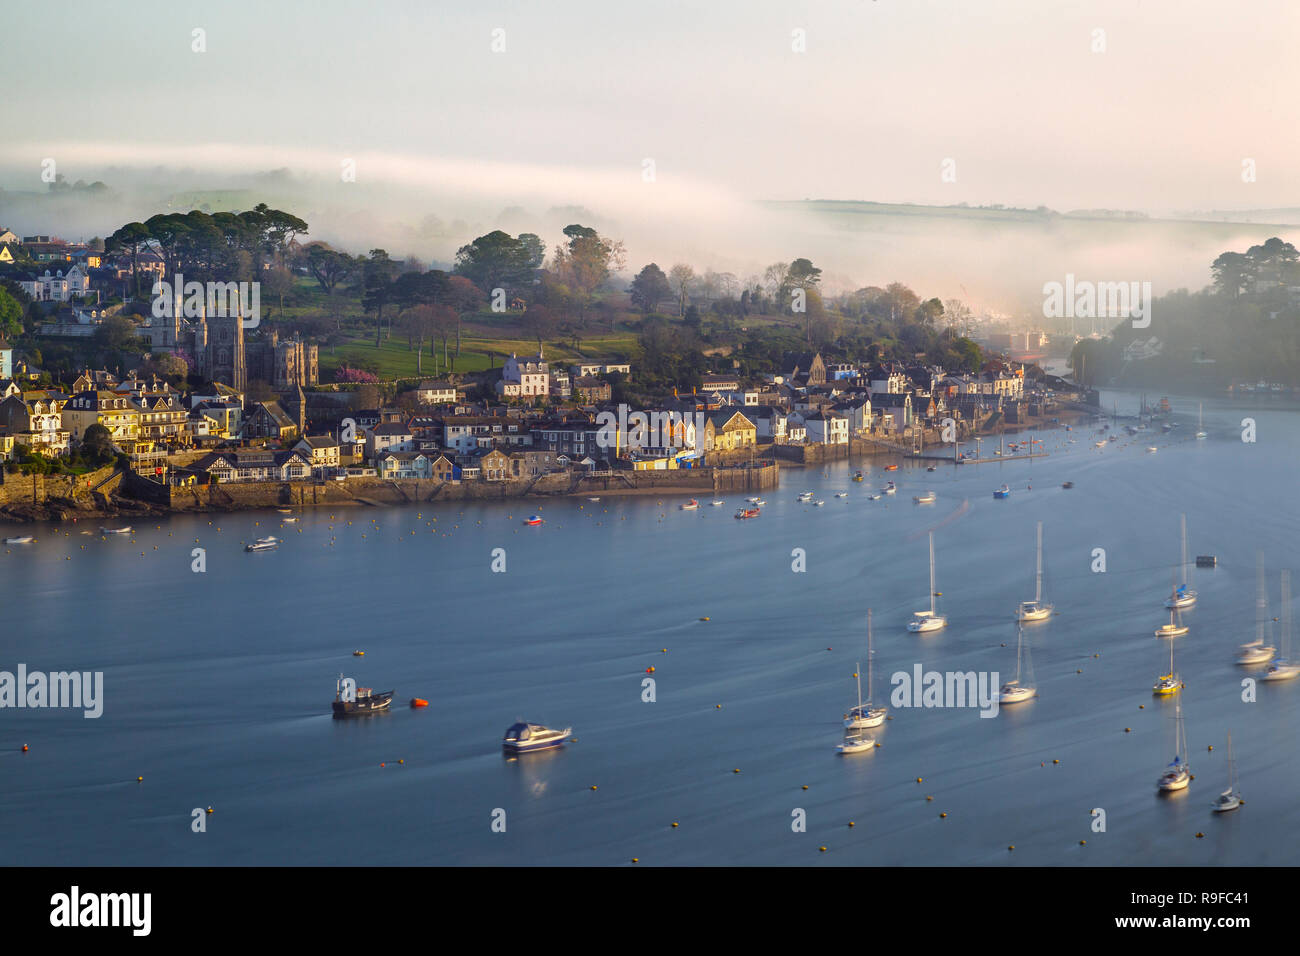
(419, 702)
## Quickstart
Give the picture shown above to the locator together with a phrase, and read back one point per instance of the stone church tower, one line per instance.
(225, 351)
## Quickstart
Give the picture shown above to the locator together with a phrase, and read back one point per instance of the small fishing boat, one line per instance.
(1177, 775)
(717, 502)
(1151, 449)
(289, 520)
(1230, 799)
(1003, 492)
(1099, 444)
(522, 738)
(753, 501)
(805, 496)
(928, 498)
(818, 503)
(263, 544)
(873, 497)
(858, 476)
(748, 513)
(1020, 688)
(690, 505)
(124, 530)
(20, 539)
(925, 622)
(285, 511)
(534, 520)
(841, 494)
(889, 489)
(364, 703)
(758, 502)
(1068, 484)
(932, 468)
(593, 499)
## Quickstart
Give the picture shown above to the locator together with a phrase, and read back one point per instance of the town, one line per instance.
(206, 399)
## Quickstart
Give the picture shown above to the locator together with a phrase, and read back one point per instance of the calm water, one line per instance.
(218, 685)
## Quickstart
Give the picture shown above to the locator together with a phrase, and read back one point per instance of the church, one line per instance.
(218, 350)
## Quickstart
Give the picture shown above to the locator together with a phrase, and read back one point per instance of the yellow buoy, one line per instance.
(674, 823)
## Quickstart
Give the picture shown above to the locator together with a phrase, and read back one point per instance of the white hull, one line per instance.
(923, 622)
(1226, 802)
(1256, 654)
(856, 747)
(1171, 630)
(1174, 781)
(1185, 600)
(1281, 671)
(874, 718)
(1034, 614)
(1015, 694)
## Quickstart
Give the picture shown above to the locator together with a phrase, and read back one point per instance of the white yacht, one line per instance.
(1230, 799)
(1183, 596)
(1021, 687)
(855, 743)
(1178, 774)
(1169, 683)
(523, 737)
(1037, 609)
(924, 622)
(925, 499)
(1282, 668)
(1200, 421)
(1259, 651)
(864, 715)
(263, 544)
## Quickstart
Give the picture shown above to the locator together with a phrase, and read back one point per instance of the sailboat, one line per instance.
(855, 742)
(1282, 668)
(1169, 683)
(1230, 799)
(1258, 652)
(1036, 610)
(1200, 421)
(924, 622)
(1178, 774)
(1182, 596)
(1020, 688)
(1175, 627)
(863, 716)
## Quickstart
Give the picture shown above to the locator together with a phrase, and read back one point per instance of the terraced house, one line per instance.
(253, 465)
(116, 411)
(35, 419)
(729, 430)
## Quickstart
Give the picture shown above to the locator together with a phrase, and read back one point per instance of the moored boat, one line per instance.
(523, 737)
(1003, 492)
(928, 498)
(748, 513)
(690, 505)
(123, 530)
(20, 539)
(361, 704)
(534, 520)
(263, 544)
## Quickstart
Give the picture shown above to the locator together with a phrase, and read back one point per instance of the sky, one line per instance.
(1151, 105)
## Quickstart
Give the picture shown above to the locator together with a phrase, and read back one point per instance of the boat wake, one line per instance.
(957, 512)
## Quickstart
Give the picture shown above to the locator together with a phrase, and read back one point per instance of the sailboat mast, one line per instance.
(857, 672)
(870, 655)
(933, 609)
(1184, 523)
(1020, 644)
(1286, 615)
(1038, 589)
(1261, 597)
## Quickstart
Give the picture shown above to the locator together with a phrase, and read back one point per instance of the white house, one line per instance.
(827, 428)
(59, 287)
(436, 393)
(530, 375)
(390, 436)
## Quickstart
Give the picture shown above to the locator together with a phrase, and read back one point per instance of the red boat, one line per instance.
(891, 468)
(533, 520)
(748, 513)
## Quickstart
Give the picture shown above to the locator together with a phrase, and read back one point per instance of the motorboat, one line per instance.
(1003, 492)
(925, 499)
(521, 738)
(289, 520)
(891, 468)
(858, 476)
(362, 703)
(717, 502)
(889, 489)
(841, 494)
(263, 544)
(805, 496)
(818, 503)
(534, 520)
(1068, 484)
(20, 539)
(873, 497)
(691, 505)
(124, 530)
(748, 513)
(593, 499)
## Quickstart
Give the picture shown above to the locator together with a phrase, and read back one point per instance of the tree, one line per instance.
(97, 443)
(540, 321)
(680, 277)
(378, 275)
(130, 237)
(1234, 272)
(328, 267)
(649, 288)
(586, 262)
(498, 260)
(11, 315)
